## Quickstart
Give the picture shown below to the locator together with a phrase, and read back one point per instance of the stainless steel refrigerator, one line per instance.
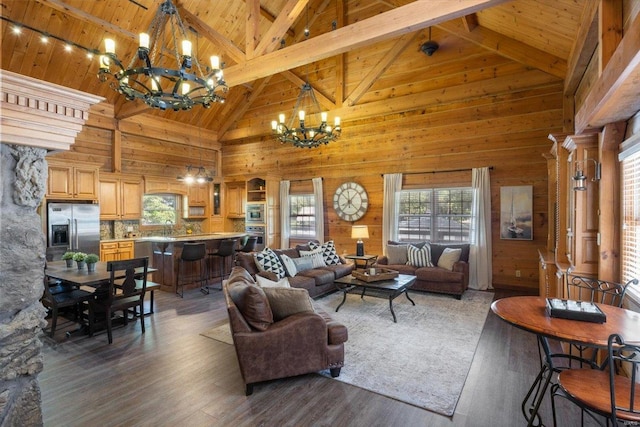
(72, 227)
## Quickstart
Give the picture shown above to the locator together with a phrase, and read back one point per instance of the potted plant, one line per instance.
(91, 260)
(79, 257)
(68, 256)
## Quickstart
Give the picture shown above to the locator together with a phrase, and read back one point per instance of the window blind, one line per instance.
(631, 219)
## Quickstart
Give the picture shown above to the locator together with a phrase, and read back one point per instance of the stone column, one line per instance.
(23, 177)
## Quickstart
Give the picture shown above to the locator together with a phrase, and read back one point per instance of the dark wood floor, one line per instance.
(173, 376)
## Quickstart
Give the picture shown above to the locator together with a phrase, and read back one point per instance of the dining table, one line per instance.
(91, 280)
(530, 314)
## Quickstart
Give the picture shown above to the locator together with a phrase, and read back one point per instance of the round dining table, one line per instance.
(530, 314)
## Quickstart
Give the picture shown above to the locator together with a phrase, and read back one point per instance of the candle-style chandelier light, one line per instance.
(312, 129)
(153, 77)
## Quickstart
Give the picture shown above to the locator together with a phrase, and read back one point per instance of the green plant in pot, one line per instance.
(68, 256)
(91, 260)
(79, 257)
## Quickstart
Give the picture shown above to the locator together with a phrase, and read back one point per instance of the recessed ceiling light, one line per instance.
(16, 29)
(67, 47)
(44, 38)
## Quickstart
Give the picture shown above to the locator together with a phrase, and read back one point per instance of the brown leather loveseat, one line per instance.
(452, 278)
(278, 333)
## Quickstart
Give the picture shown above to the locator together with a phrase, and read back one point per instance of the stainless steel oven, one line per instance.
(257, 231)
(255, 213)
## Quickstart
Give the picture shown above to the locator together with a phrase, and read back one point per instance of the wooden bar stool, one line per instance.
(192, 254)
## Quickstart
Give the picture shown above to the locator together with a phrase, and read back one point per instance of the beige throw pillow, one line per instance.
(449, 257)
(263, 282)
(252, 303)
(397, 254)
(287, 301)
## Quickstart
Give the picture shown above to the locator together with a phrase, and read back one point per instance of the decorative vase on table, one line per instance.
(68, 257)
(81, 264)
(91, 260)
(91, 267)
(80, 258)
(69, 263)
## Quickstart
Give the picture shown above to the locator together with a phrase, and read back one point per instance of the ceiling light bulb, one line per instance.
(144, 40)
(186, 47)
(67, 47)
(110, 46)
(215, 62)
(188, 179)
(89, 55)
(44, 39)
(185, 88)
(16, 30)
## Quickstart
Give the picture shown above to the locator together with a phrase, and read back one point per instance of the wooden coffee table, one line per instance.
(391, 288)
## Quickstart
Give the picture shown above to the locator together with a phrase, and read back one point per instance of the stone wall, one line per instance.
(23, 177)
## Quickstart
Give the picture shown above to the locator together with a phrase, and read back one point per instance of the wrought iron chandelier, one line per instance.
(312, 129)
(157, 81)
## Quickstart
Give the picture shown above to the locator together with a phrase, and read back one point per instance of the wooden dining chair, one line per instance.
(120, 294)
(57, 297)
(612, 393)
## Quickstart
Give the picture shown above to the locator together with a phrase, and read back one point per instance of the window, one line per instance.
(160, 209)
(302, 216)
(631, 218)
(437, 215)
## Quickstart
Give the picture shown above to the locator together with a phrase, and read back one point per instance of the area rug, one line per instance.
(423, 359)
(220, 333)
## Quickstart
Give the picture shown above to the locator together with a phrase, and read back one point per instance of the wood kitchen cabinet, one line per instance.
(120, 197)
(235, 195)
(72, 182)
(115, 251)
(197, 201)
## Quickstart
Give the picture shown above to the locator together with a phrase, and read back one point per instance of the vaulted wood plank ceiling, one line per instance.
(363, 58)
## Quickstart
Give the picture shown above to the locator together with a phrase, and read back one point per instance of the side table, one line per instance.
(363, 261)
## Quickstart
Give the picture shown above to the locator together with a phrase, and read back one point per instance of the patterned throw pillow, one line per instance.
(419, 257)
(289, 265)
(315, 256)
(268, 260)
(329, 253)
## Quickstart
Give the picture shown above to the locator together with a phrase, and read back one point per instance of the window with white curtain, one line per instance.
(437, 215)
(631, 219)
(302, 216)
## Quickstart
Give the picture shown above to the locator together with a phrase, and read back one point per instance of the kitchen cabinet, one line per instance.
(158, 185)
(120, 197)
(197, 201)
(115, 251)
(72, 182)
(236, 199)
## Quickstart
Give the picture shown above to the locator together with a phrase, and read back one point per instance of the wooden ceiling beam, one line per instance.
(290, 12)
(230, 49)
(271, 18)
(583, 48)
(470, 22)
(509, 48)
(614, 96)
(252, 27)
(382, 65)
(406, 19)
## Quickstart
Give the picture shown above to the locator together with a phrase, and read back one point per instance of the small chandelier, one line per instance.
(158, 84)
(311, 131)
(200, 176)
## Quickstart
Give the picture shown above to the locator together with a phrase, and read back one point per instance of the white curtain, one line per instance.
(285, 226)
(392, 186)
(480, 275)
(317, 194)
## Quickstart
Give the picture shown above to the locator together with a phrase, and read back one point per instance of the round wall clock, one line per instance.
(350, 201)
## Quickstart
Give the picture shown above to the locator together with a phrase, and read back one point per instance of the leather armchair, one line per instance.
(301, 343)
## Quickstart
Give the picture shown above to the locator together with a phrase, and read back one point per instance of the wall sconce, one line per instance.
(580, 178)
(359, 232)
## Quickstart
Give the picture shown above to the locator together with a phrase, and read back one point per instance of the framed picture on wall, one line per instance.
(516, 212)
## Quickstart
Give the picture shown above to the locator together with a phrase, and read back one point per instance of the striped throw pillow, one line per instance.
(419, 257)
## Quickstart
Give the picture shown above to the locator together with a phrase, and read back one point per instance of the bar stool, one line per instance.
(249, 245)
(192, 253)
(225, 250)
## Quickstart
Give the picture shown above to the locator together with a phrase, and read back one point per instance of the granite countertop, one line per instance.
(181, 238)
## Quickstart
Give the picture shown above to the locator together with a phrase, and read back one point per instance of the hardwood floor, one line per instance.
(174, 376)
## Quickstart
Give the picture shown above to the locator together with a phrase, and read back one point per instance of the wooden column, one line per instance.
(609, 220)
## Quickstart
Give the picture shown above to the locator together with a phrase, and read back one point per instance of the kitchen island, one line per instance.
(166, 252)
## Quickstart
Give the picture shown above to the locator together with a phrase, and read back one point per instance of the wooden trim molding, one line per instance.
(41, 114)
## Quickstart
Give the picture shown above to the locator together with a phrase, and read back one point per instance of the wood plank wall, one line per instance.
(507, 131)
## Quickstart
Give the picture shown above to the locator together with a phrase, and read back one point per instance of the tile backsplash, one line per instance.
(120, 229)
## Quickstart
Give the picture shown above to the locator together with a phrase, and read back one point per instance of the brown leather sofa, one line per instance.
(269, 347)
(318, 281)
(436, 279)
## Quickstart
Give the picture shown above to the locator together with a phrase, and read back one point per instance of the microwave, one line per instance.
(255, 213)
